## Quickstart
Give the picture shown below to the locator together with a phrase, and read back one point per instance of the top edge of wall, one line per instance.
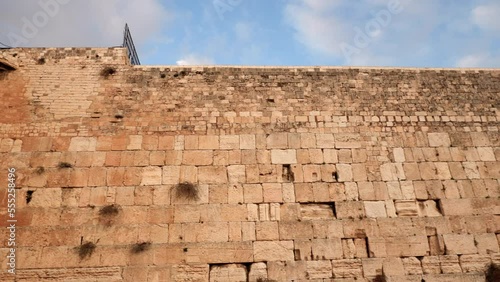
(307, 67)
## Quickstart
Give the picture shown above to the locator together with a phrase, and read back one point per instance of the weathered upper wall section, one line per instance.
(136, 173)
(68, 92)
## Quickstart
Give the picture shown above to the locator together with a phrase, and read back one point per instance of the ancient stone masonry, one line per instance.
(150, 173)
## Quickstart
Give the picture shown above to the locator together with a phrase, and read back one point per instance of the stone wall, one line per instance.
(143, 173)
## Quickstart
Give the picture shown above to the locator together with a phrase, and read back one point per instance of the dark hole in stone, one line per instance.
(270, 100)
(335, 176)
(367, 249)
(296, 253)
(438, 206)
(334, 210)
(41, 61)
(287, 173)
(29, 196)
(185, 250)
(118, 116)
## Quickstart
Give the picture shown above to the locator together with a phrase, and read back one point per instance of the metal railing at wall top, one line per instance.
(129, 44)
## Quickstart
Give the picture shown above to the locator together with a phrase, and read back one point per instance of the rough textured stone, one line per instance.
(301, 173)
(273, 250)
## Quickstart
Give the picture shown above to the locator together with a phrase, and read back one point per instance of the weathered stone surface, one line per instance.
(302, 173)
(228, 272)
(273, 250)
(283, 156)
(459, 244)
(439, 139)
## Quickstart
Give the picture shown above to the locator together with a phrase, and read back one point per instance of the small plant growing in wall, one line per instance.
(62, 165)
(493, 273)
(86, 250)
(107, 72)
(107, 214)
(186, 190)
(379, 278)
(40, 170)
(140, 247)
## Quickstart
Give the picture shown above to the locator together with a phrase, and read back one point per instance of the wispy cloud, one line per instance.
(82, 23)
(195, 60)
(418, 33)
(486, 16)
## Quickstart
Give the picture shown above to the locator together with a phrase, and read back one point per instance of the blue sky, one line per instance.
(420, 33)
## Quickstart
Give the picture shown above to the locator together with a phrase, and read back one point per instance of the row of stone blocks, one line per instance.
(466, 268)
(242, 142)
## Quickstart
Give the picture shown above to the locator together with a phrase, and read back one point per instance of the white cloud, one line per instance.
(313, 27)
(195, 60)
(478, 60)
(486, 16)
(364, 33)
(80, 23)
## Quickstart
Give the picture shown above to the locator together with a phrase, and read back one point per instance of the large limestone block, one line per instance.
(407, 246)
(412, 266)
(171, 174)
(474, 263)
(208, 142)
(295, 230)
(273, 251)
(151, 175)
(190, 272)
(350, 209)
(344, 172)
(229, 142)
(277, 141)
(347, 268)
(247, 142)
(319, 269)
(324, 141)
(393, 267)
(487, 243)
(428, 209)
(82, 144)
(197, 157)
(283, 156)
(228, 272)
(372, 266)
(347, 140)
(220, 252)
(459, 244)
(399, 155)
(406, 208)
(327, 249)
(134, 142)
(431, 265)
(450, 264)
(212, 174)
(375, 209)
(236, 173)
(439, 139)
(392, 172)
(257, 272)
(457, 207)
